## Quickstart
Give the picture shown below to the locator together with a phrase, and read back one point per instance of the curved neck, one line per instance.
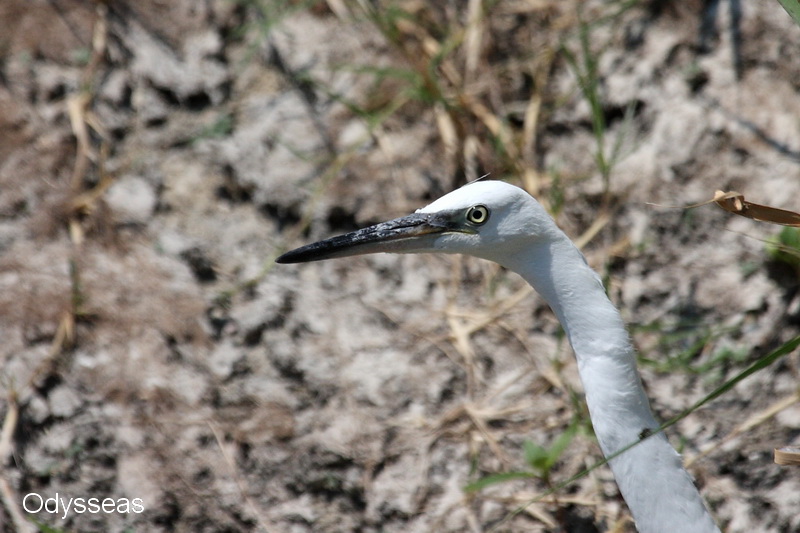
(658, 490)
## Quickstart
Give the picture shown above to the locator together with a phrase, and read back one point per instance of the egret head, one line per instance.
(486, 219)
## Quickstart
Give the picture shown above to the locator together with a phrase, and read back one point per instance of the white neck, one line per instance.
(658, 490)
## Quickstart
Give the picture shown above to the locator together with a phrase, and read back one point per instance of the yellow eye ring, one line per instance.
(478, 214)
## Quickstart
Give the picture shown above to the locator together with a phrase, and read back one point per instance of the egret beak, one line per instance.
(406, 234)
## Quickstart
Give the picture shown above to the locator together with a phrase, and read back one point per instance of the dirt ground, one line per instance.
(157, 156)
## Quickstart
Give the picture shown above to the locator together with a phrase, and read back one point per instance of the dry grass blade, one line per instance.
(459, 335)
(447, 130)
(9, 501)
(338, 8)
(9, 426)
(76, 109)
(599, 223)
(7, 494)
(63, 340)
(789, 455)
(734, 202)
(473, 38)
(490, 120)
(478, 419)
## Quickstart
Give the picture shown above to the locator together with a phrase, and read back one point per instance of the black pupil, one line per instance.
(477, 214)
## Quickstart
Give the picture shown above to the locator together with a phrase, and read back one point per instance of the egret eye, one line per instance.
(478, 214)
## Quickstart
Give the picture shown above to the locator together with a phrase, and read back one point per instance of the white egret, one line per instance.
(502, 223)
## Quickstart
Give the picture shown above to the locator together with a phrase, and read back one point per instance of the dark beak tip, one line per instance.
(304, 254)
(290, 257)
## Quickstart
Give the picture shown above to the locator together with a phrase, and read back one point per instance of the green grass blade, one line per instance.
(793, 8)
(493, 479)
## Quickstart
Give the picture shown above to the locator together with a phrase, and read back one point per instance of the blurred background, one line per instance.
(156, 156)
